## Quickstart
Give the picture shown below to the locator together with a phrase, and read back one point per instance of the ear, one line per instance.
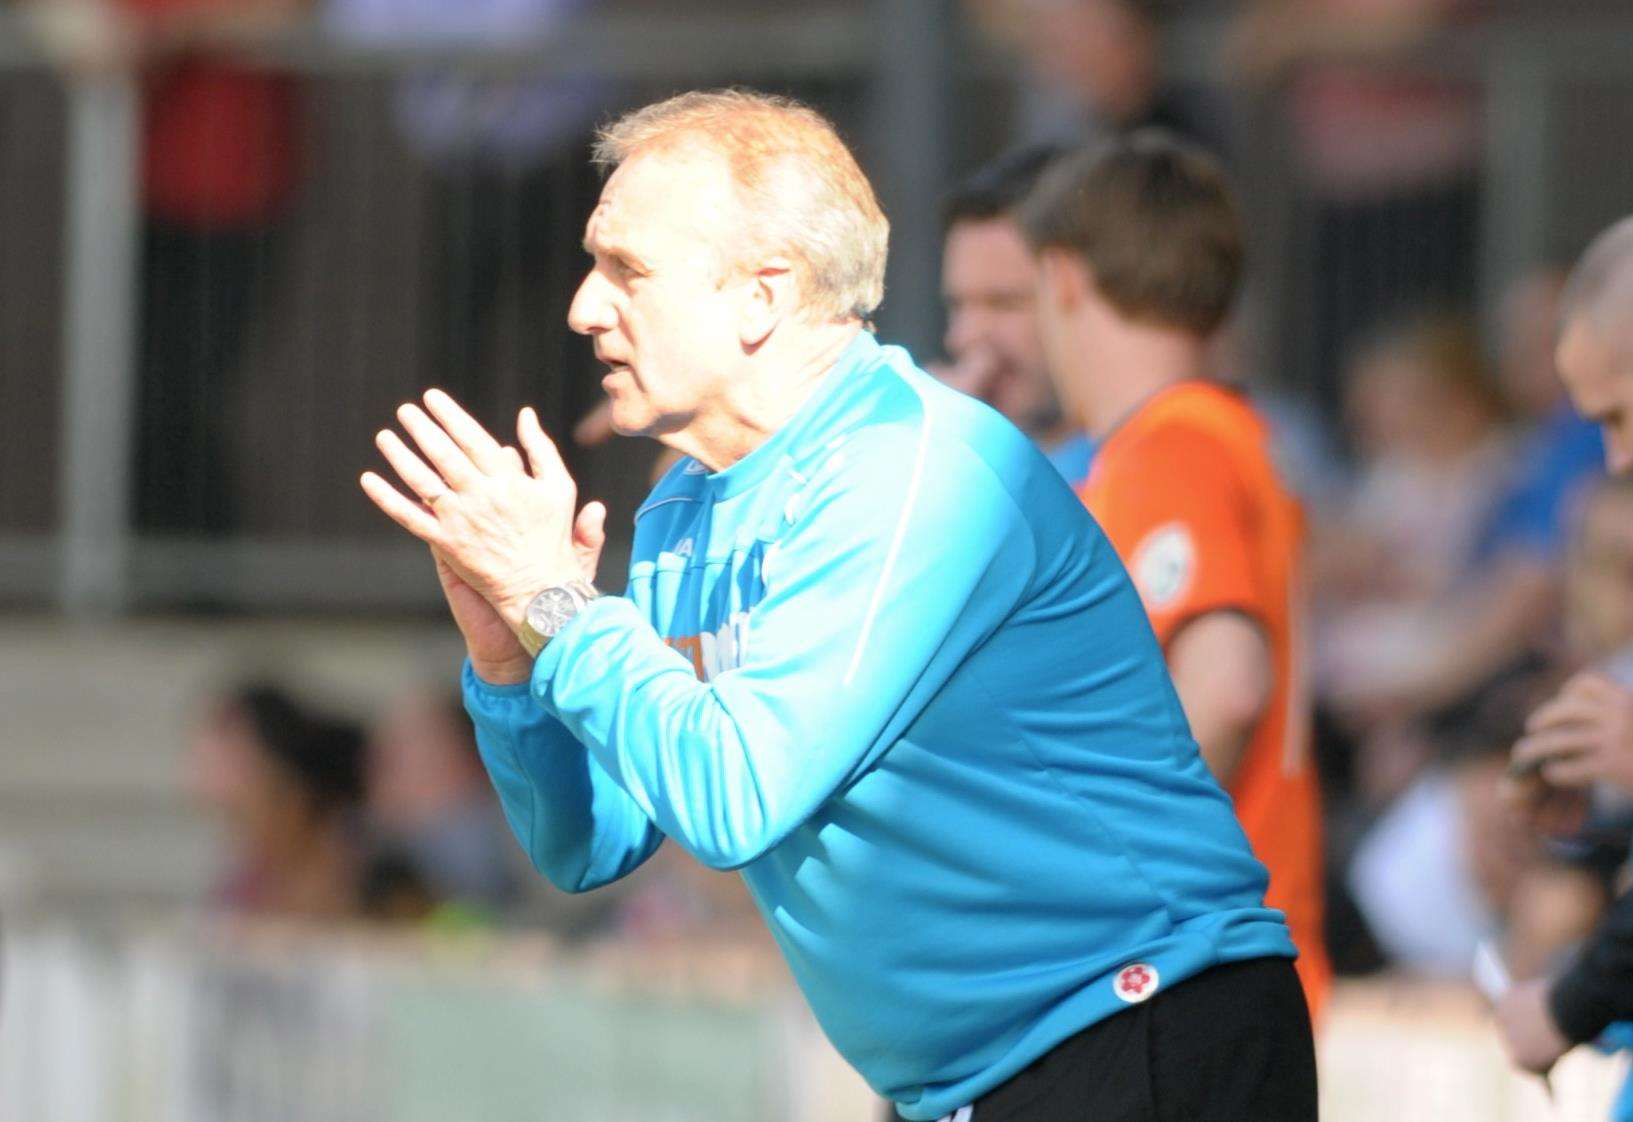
(1062, 278)
(770, 296)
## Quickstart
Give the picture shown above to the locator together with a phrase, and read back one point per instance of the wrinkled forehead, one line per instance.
(668, 200)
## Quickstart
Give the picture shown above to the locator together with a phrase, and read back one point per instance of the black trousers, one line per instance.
(1232, 1044)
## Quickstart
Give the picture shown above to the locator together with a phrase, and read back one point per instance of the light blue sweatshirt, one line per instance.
(888, 668)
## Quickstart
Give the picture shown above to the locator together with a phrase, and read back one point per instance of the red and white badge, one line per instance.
(1136, 983)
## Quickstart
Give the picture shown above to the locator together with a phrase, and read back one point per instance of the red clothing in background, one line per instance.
(218, 148)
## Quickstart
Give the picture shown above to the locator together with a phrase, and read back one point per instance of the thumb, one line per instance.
(590, 528)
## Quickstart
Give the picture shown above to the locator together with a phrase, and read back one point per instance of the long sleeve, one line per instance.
(895, 564)
(578, 827)
(1598, 987)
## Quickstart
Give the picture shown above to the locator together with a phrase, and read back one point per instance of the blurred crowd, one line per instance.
(1466, 554)
(327, 818)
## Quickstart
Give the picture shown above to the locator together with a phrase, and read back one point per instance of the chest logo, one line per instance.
(715, 652)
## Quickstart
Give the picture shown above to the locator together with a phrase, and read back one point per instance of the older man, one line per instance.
(873, 655)
(1584, 735)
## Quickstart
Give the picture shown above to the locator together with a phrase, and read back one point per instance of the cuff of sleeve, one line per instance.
(1578, 1005)
(474, 684)
(595, 617)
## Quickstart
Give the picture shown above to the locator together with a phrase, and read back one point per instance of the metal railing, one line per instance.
(332, 350)
(82, 553)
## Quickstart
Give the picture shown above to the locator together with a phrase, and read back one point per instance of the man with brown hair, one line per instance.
(1140, 255)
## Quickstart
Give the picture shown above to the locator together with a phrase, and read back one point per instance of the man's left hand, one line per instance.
(1529, 1034)
(504, 526)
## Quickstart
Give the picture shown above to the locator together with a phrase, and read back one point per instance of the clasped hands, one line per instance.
(502, 526)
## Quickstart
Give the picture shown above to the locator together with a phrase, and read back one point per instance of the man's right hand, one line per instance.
(496, 655)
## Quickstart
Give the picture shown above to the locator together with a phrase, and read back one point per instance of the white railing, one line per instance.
(222, 1025)
(252, 1024)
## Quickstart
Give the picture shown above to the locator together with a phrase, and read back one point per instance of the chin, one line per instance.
(632, 418)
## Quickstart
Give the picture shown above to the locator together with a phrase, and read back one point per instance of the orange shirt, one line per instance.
(1187, 493)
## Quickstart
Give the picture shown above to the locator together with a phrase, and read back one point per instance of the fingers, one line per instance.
(439, 448)
(1548, 744)
(424, 482)
(474, 440)
(411, 516)
(1566, 708)
(1571, 771)
(541, 451)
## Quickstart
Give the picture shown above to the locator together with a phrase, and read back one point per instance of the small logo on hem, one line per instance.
(1136, 983)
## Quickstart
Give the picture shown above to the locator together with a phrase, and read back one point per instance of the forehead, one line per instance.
(1586, 364)
(987, 253)
(653, 200)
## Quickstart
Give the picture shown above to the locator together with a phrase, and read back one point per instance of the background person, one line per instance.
(429, 799)
(1140, 256)
(989, 287)
(1585, 734)
(287, 783)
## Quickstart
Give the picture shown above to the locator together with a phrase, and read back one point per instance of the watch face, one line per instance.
(551, 610)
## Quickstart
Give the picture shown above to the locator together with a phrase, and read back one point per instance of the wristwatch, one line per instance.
(550, 611)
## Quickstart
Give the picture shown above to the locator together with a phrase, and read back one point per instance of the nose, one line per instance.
(591, 312)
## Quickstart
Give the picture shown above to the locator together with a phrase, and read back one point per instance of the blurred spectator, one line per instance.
(1585, 734)
(1449, 839)
(1387, 157)
(989, 282)
(675, 899)
(1558, 452)
(1140, 257)
(1095, 69)
(506, 150)
(1428, 425)
(219, 165)
(1506, 591)
(429, 798)
(288, 784)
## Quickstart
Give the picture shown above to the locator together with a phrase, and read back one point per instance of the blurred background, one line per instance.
(250, 867)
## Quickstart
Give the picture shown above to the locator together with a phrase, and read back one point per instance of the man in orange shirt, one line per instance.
(1140, 255)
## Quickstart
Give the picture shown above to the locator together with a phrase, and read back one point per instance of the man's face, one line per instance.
(989, 281)
(1599, 378)
(658, 300)
(1599, 577)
